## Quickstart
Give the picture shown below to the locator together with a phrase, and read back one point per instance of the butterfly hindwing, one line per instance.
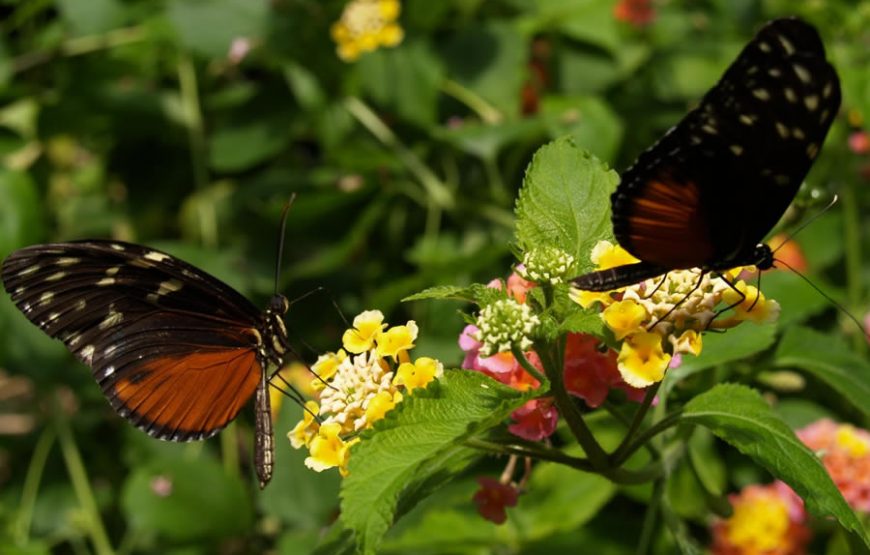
(174, 349)
(716, 183)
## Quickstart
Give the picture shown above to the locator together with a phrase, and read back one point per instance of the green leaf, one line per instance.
(476, 293)
(20, 217)
(720, 348)
(584, 321)
(203, 502)
(89, 17)
(209, 27)
(565, 201)
(417, 447)
(739, 416)
(827, 358)
(239, 148)
(589, 120)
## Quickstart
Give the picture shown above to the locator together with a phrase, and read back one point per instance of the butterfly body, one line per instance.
(705, 195)
(176, 351)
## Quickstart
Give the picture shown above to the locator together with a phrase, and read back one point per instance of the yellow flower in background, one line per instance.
(307, 428)
(418, 374)
(641, 360)
(366, 25)
(325, 367)
(396, 340)
(624, 317)
(366, 327)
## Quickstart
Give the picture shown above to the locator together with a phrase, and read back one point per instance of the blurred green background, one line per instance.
(186, 124)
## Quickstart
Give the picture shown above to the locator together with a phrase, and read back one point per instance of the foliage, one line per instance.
(420, 175)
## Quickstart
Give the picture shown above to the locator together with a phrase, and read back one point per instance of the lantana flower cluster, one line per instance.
(662, 317)
(366, 25)
(767, 519)
(845, 452)
(357, 385)
(589, 373)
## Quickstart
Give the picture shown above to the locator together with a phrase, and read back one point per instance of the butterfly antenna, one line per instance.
(825, 295)
(284, 212)
(813, 218)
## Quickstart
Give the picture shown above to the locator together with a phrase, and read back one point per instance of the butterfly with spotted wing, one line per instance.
(176, 351)
(707, 193)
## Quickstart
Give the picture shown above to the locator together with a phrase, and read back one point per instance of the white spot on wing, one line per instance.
(812, 150)
(811, 101)
(53, 316)
(88, 354)
(774, 72)
(117, 247)
(156, 256)
(828, 90)
(764, 46)
(789, 47)
(790, 95)
(798, 133)
(746, 119)
(169, 286)
(46, 298)
(111, 319)
(782, 130)
(81, 304)
(68, 261)
(108, 371)
(803, 73)
(106, 281)
(761, 94)
(736, 149)
(30, 270)
(113, 270)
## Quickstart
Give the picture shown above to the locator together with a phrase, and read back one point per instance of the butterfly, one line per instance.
(706, 194)
(176, 351)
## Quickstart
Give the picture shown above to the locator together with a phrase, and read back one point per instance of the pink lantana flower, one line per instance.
(590, 374)
(493, 497)
(536, 420)
(845, 452)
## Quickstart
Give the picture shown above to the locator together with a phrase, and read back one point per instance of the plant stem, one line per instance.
(567, 408)
(657, 428)
(81, 485)
(486, 111)
(187, 83)
(618, 456)
(534, 450)
(649, 520)
(528, 367)
(437, 191)
(79, 46)
(31, 485)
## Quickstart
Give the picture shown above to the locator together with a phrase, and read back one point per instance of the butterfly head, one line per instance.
(762, 257)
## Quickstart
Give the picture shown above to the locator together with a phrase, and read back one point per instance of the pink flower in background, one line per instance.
(859, 142)
(767, 520)
(239, 49)
(636, 12)
(845, 452)
(493, 498)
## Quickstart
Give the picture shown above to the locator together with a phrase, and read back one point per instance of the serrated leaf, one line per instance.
(830, 360)
(720, 348)
(565, 201)
(390, 468)
(475, 293)
(739, 416)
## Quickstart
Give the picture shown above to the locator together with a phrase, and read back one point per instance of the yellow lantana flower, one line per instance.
(753, 306)
(641, 360)
(688, 342)
(624, 317)
(366, 25)
(606, 255)
(326, 366)
(307, 428)
(327, 449)
(396, 340)
(366, 327)
(382, 403)
(418, 374)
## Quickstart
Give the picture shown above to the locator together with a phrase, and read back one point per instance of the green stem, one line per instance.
(644, 543)
(497, 186)
(31, 485)
(535, 451)
(569, 411)
(81, 485)
(852, 241)
(486, 111)
(618, 455)
(79, 46)
(435, 188)
(187, 82)
(528, 367)
(642, 438)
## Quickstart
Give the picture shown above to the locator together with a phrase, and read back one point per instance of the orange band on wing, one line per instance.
(666, 226)
(193, 394)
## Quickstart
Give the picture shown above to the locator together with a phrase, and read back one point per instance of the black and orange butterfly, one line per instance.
(176, 351)
(707, 193)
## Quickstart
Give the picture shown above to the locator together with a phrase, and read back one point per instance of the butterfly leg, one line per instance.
(657, 287)
(732, 305)
(680, 302)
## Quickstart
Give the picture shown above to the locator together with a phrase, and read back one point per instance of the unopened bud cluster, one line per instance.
(504, 324)
(546, 264)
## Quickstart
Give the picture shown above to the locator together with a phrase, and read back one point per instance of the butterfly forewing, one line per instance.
(715, 184)
(175, 350)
